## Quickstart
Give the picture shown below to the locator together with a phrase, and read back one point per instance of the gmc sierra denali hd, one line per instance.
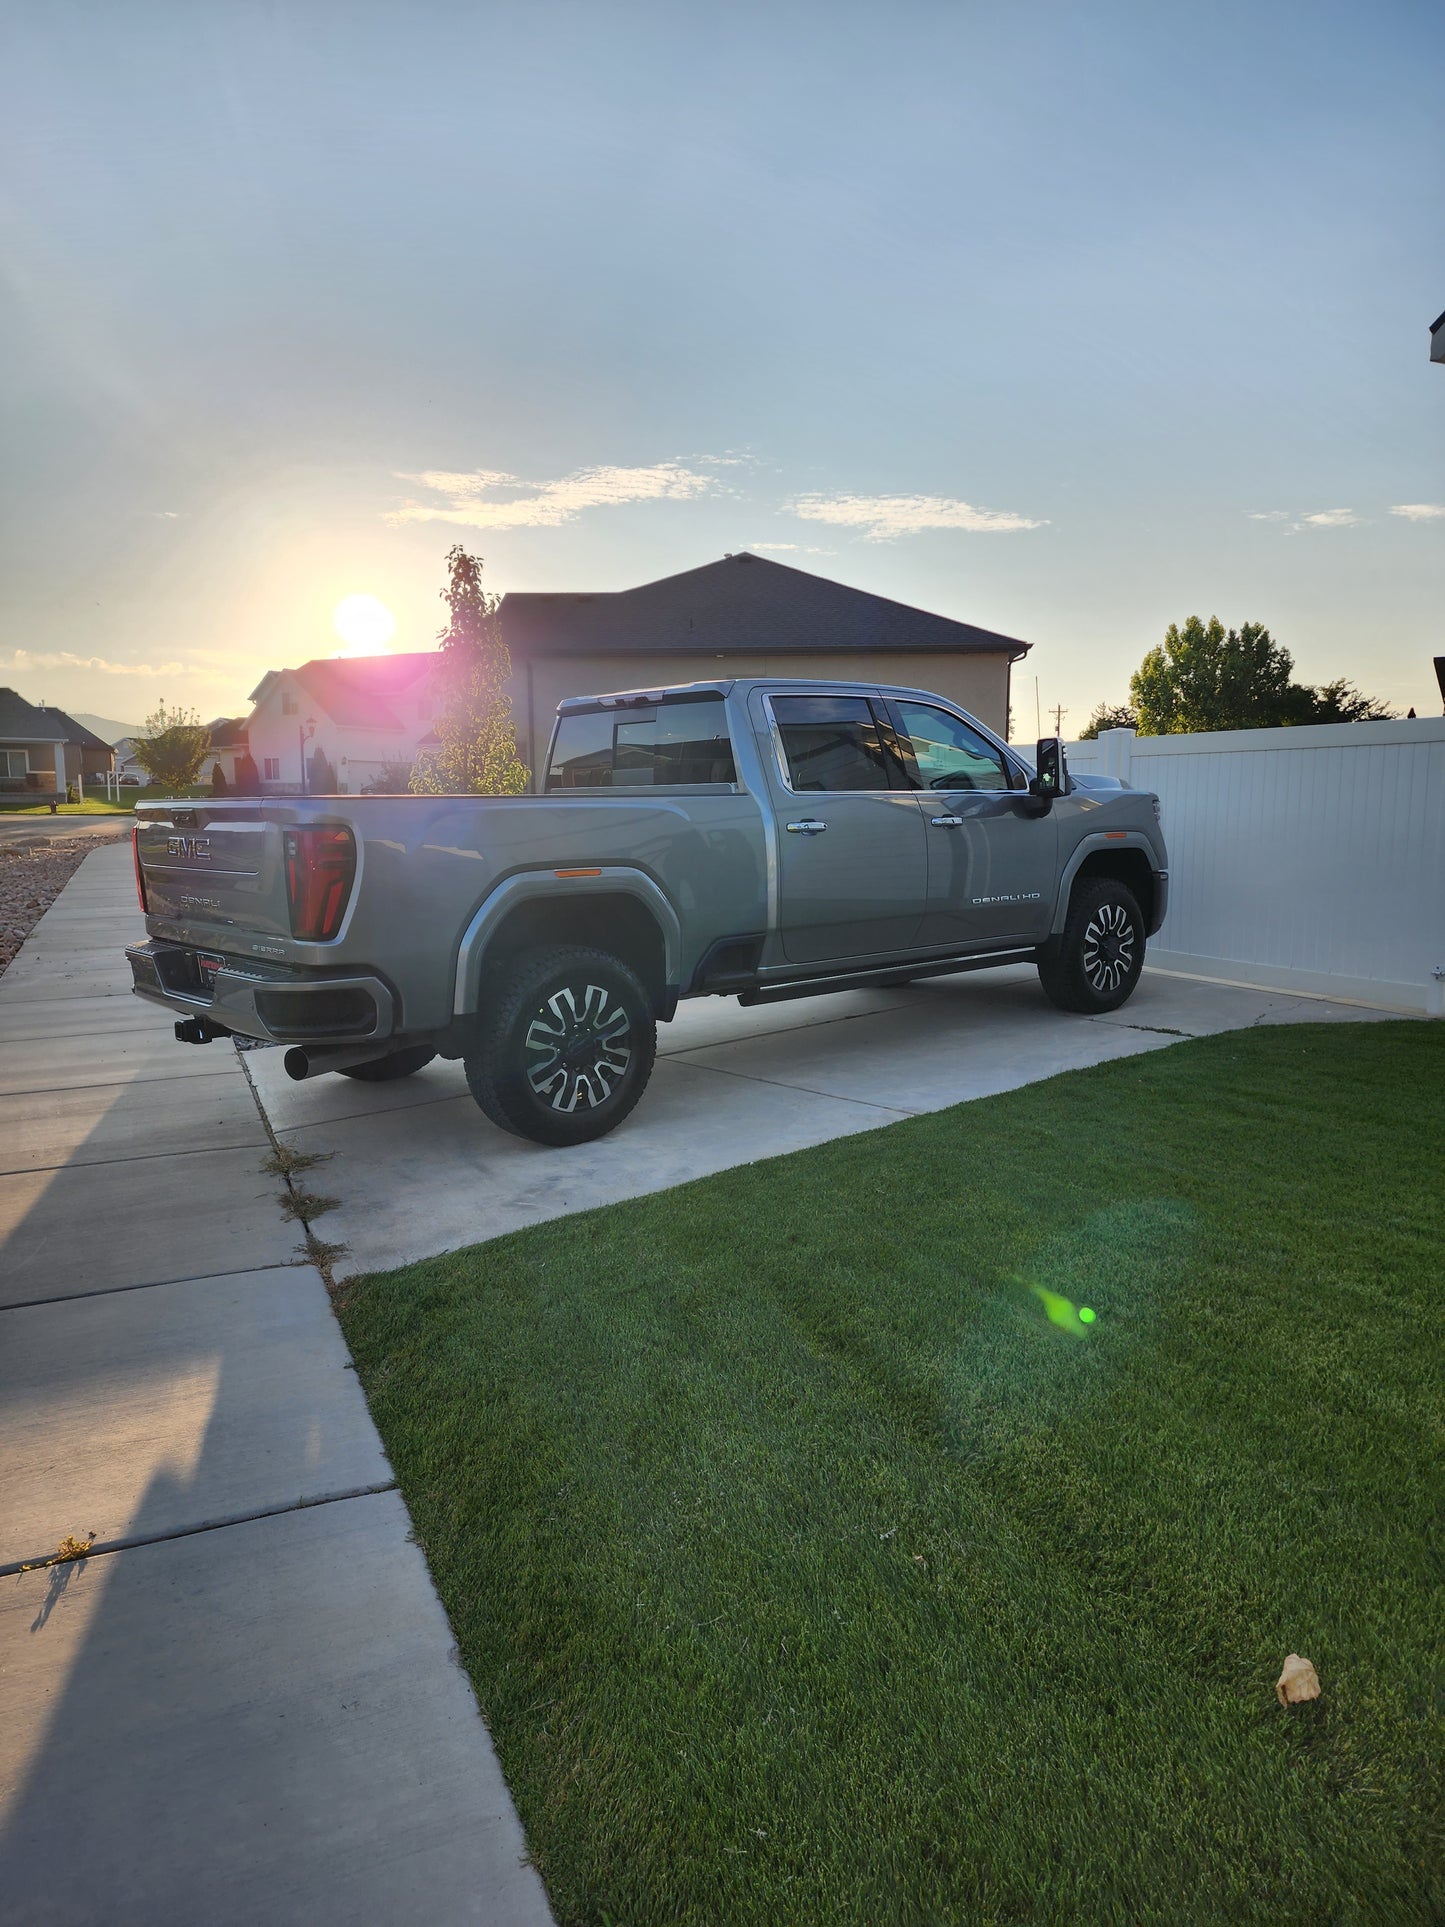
(751, 838)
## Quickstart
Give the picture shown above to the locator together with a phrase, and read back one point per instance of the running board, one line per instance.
(883, 974)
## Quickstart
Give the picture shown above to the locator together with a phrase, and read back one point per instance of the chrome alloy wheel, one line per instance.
(576, 1053)
(1108, 948)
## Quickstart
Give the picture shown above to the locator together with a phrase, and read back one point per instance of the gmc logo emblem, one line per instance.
(197, 848)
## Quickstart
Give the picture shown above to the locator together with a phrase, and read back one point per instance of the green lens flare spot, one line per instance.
(1087, 1315)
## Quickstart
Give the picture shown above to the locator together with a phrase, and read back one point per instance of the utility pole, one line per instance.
(1038, 719)
(1059, 712)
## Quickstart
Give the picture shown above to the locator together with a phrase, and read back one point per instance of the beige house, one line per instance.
(742, 616)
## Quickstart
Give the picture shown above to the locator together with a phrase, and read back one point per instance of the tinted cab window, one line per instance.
(835, 743)
(950, 755)
(642, 747)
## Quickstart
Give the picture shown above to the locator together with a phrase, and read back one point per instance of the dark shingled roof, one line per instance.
(22, 722)
(74, 732)
(228, 731)
(743, 602)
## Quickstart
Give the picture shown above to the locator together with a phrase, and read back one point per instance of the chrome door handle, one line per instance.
(950, 822)
(809, 826)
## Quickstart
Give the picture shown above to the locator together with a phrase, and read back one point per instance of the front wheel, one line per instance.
(1095, 964)
(564, 1046)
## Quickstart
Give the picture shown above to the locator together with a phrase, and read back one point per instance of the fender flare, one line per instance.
(528, 886)
(1086, 847)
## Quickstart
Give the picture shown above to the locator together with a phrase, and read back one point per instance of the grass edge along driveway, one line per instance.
(816, 1559)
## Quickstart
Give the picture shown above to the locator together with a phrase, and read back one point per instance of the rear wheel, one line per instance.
(401, 1063)
(564, 1045)
(1095, 964)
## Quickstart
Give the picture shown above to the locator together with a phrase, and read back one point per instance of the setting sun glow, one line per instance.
(364, 624)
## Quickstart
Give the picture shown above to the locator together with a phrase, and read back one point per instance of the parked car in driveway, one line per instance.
(761, 839)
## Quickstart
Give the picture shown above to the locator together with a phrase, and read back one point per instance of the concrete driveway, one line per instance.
(419, 1170)
(242, 1706)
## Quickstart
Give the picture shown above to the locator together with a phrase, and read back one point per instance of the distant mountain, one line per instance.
(105, 727)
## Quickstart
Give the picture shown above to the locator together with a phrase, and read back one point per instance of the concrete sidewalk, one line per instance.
(419, 1170)
(244, 1704)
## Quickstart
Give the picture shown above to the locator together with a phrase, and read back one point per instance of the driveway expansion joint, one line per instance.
(155, 1284)
(47, 1562)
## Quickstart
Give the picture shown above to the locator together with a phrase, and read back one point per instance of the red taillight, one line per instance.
(140, 882)
(320, 866)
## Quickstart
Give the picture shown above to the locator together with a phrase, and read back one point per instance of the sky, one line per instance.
(1067, 320)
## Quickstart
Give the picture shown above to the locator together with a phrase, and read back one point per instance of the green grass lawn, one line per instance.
(814, 1560)
(97, 805)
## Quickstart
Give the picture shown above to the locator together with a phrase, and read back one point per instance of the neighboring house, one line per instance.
(126, 766)
(363, 712)
(42, 750)
(96, 756)
(1437, 339)
(742, 616)
(227, 747)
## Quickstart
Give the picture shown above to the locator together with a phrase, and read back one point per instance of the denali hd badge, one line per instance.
(197, 848)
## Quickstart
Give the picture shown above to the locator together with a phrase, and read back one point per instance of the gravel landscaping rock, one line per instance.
(31, 878)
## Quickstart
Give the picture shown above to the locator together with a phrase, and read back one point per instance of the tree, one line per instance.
(248, 777)
(172, 747)
(1341, 702)
(219, 785)
(320, 774)
(392, 779)
(1109, 716)
(1204, 678)
(478, 752)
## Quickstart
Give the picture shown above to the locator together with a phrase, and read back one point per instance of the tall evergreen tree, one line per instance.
(478, 753)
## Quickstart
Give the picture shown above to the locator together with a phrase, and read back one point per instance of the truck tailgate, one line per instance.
(213, 863)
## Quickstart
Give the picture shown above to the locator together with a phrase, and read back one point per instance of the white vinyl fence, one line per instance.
(1301, 859)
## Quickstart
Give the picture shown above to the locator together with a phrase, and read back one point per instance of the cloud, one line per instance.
(25, 659)
(1329, 519)
(1420, 511)
(476, 500)
(772, 545)
(1268, 515)
(881, 517)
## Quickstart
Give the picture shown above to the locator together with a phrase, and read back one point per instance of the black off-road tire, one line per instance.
(401, 1063)
(564, 1045)
(1095, 964)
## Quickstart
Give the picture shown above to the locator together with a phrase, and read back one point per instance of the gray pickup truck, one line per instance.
(749, 838)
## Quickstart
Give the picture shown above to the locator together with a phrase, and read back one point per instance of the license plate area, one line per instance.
(207, 964)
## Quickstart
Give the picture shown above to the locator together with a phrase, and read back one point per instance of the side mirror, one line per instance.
(1053, 772)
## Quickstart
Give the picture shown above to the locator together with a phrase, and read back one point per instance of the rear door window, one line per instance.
(835, 743)
(642, 747)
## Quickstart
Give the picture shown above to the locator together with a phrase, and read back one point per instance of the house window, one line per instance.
(273, 769)
(289, 704)
(13, 763)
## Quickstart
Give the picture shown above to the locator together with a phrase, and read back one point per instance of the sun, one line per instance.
(364, 624)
